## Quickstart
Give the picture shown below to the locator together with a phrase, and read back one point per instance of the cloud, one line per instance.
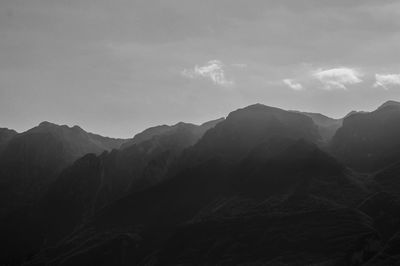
(213, 70)
(337, 78)
(384, 80)
(293, 84)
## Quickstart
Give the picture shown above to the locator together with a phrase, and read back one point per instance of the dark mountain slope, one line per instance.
(384, 209)
(257, 155)
(93, 182)
(389, 179)
(204, 193)
(33, 159)
(255, 188)
(328, 237)
(5, 136)
(144, 162)
(369, 141)
(206, 181)
(29, 164)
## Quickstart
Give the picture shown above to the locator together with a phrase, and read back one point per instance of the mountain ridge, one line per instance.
(226, 191)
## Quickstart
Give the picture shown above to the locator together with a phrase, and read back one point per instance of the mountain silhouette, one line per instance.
(152, 132)
(246, 128)
(5, 136)
(369, 141)
(34, 158)
(29, 164)
(95, 181)
(244, 158)
(263, 186)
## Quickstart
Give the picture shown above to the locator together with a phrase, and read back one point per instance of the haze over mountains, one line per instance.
(263, 186)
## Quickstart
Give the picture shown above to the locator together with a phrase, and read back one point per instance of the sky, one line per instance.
(118, 67)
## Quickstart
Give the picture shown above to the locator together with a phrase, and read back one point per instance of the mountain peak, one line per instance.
(8, 130)
(389, 103)
(259, 106)
(47, 124)
(77, 128)
(213, 122)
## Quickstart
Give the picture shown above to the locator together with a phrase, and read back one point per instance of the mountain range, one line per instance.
(263, 186)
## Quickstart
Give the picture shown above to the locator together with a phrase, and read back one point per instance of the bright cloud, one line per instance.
(385, 80)
(213, 70)
(337, 78)
(293, 84)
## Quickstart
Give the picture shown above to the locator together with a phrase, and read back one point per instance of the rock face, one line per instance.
(369, 141)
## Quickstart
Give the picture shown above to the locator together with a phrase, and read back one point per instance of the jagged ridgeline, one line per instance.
(263, 186)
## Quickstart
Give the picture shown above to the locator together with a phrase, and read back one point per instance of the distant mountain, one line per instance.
(147, 134)
(152, 132)
(369, 141)
(76, 141)
(5, 136)
(327, 126)
(354, 112)
(389, 104)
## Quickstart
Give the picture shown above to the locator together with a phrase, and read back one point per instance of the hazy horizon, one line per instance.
(173, 123)
(116, 68)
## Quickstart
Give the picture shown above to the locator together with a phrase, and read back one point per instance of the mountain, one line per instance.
(388, 179)
(76, 141)
(315, 238)
(95, 181)
(393, 104)
(264, 186)
(29, 164)
(147, 134)
(245, 182)
(32, 159)
(152, 132)
(5, 136)
(248, 127)
(226, 208)
(327, 126)
(369, 141)
(355, 112)
(145, 159)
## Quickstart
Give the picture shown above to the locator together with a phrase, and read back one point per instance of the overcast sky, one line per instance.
(117, 67)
